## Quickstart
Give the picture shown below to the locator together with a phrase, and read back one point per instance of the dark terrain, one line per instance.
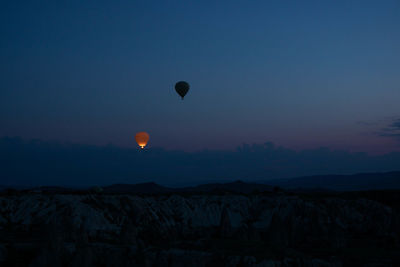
(360, 181)
(216, 226)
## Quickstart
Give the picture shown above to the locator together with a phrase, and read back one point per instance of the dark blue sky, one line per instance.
(301, 74)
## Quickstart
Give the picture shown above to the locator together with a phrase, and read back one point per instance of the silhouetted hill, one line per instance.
(143, 188)
(318, 183)
(153, 188)
(237, 187)
(355, 182)
(56, 189)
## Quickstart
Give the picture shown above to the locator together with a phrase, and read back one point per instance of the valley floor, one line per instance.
(270, 229)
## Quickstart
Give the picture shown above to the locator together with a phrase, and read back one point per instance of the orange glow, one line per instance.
(142, 138)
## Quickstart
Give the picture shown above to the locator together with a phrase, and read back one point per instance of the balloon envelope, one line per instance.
(142, 138)
(182, 88)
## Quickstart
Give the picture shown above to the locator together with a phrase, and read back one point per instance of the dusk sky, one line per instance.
(300, 74)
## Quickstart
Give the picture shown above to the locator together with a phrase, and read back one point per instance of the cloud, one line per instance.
(37, 162)
(391, 130)
(396, 124)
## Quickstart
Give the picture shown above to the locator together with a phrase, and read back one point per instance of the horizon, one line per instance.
(42, 163)
(211, 182)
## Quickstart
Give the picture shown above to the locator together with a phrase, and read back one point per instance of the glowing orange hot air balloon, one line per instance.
(142, 138)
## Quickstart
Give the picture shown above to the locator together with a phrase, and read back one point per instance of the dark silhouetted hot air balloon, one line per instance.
(182, 88)
(142, 138)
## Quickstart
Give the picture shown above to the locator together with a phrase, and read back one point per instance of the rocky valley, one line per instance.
(219, 229)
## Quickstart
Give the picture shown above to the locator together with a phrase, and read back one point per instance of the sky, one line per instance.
(299, 74)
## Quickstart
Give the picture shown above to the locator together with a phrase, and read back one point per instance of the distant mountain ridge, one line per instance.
(317, 183)
(237, 186)
(145, 188)
(153, 188)
(354, 182)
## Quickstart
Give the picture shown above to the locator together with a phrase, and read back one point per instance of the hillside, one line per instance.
(199, 230)
(355, 182)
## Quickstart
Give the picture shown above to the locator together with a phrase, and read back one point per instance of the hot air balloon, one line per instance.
(182, 88)
(142, 138)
